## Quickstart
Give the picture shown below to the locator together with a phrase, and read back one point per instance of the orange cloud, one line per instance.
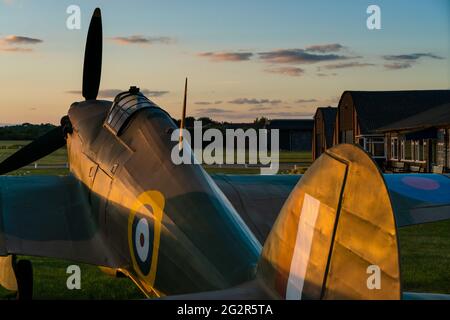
(226, 56)
(288, 71)
(138, 39)
(13, 43)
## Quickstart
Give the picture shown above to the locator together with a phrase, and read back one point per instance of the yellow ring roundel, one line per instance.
(144, 234)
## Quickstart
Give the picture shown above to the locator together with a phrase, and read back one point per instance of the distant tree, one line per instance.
(206, 121)
(189, 122)
(25, 131)
(260, 122)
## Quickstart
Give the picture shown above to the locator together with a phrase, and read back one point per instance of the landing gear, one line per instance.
(24, 275)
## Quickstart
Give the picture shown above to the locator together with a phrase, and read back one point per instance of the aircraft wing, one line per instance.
(419, 198)
(257, 198)
(49, 216)
(416, 198)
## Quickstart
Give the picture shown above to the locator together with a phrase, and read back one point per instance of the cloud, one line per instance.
(297, 56)
(289, 114)
(212, 111)
(15, 49)
(325, 48)
(259, 109)
(138, 39)
(288, 71)
(13, 43)
(111, 93)
(321, 74)
(411, 57)
(348, 65)
(207, 103)
(12, 39)
(254, 101)
(305, 100)
(398, 65)
(203, 103)
(226, 56)
(405, 61)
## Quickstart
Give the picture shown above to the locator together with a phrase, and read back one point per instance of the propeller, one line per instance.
(92, 68)
(56, 138)
(42, 146)
(183, 116)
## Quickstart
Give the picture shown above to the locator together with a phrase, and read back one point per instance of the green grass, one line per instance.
(50, 282)
(425, 250)
(425, 257)
(7, 148)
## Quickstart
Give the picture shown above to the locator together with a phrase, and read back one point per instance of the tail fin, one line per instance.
(335, 237)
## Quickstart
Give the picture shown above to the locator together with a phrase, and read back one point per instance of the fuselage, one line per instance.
(168, 226)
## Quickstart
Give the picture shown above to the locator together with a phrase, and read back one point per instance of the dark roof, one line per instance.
(435, 117)
(329, 120)
(291, 124)
(376, 109)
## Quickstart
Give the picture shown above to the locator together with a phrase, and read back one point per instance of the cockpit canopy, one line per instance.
(124, 106)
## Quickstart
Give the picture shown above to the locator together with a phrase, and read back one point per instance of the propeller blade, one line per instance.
(183, 116)
(92, 68)
(39, 148)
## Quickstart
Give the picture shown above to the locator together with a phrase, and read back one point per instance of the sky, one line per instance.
(244, 58)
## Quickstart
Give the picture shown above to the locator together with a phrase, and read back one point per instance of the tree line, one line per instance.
(25, 131)
(28, 131)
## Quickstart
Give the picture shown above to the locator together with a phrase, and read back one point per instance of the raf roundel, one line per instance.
(142, 240)
(144, 232)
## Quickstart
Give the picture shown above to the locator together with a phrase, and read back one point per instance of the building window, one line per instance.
(413, 150)
(394, 148)
(402, 149)
(448, 148)
(373, 145)
(440, 148)
(361, 142)
(408, 150)
(419, 150)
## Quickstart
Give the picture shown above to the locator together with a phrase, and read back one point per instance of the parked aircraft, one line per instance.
(177, 232)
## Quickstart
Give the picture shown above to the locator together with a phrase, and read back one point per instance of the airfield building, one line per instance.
(364, 117)
(322, 139)
(420, 141)
(295, 135)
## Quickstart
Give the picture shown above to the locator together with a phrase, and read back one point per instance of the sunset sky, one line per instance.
(244, 58)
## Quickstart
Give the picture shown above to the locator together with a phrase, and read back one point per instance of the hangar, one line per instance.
(324, 121)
